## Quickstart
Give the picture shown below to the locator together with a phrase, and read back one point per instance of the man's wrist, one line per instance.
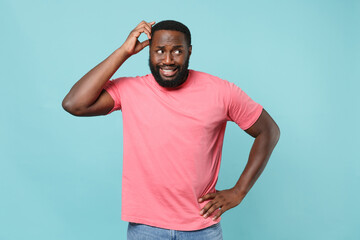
(122, 52)
(241, 193)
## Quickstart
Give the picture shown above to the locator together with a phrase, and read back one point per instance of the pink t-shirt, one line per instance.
(172, 145)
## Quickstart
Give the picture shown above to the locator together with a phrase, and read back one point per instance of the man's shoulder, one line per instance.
(202, 74)
(129, 80)
(208, 78)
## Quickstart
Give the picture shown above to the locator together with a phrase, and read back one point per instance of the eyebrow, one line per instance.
(176, 46)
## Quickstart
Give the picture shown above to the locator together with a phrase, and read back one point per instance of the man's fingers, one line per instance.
(209, 208)
(205, 208)
(145, 25)
(212, 209)
(207, 196)
(145, 43)
(148, 27)
(137, 32)
(219, 213)
(149, 24)
(147, 33)
(142, 23)
(141, 46)
(132, 45)
(142, 27)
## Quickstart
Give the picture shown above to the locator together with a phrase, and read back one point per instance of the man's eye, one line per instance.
(177, 51)
(159, 51)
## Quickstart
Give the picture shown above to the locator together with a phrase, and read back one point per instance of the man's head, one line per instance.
(170, 50)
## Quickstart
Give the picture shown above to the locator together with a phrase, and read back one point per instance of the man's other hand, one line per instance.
(222, 200)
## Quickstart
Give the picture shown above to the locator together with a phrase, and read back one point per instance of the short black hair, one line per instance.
(172, 25)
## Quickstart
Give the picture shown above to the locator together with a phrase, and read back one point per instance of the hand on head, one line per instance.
(132, 45)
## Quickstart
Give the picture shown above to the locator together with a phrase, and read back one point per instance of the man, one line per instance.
(174, 122)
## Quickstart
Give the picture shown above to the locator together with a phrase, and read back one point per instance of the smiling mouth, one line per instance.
(168, 72)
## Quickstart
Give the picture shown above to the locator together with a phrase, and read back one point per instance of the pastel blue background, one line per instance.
(60, 175)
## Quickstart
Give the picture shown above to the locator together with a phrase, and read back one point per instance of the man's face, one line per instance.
(169, 58)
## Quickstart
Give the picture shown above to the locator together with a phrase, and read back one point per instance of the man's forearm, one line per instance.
(260, 153)
(85, 92)
(266, 134)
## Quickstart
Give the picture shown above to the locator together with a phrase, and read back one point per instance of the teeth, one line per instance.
(168, 72)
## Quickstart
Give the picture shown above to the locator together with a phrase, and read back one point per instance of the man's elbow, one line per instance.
(71, 108)
(275, 133)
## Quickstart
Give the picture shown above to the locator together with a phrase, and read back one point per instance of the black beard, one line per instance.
(179, 79)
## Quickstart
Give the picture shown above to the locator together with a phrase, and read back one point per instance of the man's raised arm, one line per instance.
(87, 97)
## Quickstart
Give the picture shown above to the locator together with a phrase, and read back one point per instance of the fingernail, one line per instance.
(206, 215)
(200, 199)
(201, 212)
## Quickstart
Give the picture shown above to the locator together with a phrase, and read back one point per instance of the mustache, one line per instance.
(166, 65)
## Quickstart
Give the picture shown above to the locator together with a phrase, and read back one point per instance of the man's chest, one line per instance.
(186, 111)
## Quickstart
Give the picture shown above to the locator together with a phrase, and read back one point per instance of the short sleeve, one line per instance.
(242, 109)
(112, 87)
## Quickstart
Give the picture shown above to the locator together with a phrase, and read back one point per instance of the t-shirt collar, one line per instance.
(182, 86)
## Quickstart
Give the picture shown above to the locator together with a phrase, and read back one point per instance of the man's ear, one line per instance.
(190, 50)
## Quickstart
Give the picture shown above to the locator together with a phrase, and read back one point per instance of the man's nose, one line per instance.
(168, 59)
